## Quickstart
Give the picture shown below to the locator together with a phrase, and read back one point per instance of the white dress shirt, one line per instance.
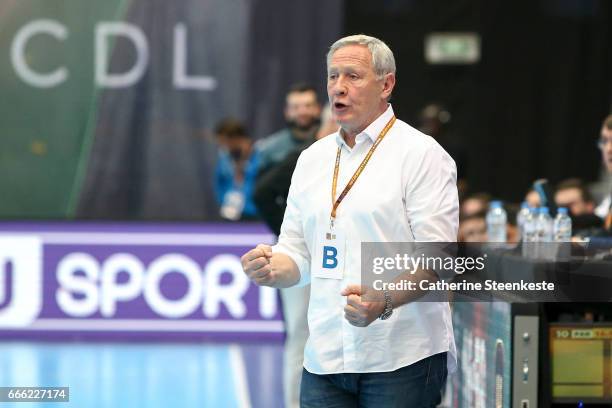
(604, 207)
(406, 193)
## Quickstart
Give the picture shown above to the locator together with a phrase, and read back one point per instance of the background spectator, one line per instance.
(573, 194)
(302, 113)
(475, 203)
(532, 198)
(473, 227)
(235, 171)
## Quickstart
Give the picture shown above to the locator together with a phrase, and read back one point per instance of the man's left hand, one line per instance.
(358, 311)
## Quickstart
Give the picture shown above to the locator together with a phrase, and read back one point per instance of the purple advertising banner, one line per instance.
(132, 281)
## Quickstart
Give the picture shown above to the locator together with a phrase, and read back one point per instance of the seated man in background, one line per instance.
(603, 235)
(573, 194)
(235, 171)
(473, 227)
(532, 198)
(605, 145)
(475, 203)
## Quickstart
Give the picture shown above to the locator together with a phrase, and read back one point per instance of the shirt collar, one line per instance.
(373, 129)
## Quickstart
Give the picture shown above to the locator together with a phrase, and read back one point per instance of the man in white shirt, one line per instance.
(376, 180)
(605, 145)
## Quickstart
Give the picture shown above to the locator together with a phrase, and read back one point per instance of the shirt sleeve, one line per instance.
(291, 241)
(432, 203)
(602, 209)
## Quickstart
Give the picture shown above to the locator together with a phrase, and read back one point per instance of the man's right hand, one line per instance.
(257, 265)
(266, 269)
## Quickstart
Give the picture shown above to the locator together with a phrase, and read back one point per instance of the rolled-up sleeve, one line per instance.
(291, 241)
(432, 204)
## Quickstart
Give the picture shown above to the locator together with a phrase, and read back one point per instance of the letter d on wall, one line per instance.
(103, 77)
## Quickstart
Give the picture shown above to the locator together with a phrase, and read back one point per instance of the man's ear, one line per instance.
(388, 85)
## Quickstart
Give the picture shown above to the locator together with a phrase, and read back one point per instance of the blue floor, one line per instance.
(148, 375)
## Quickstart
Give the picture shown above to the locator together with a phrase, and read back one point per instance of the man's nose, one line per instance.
(339, 87)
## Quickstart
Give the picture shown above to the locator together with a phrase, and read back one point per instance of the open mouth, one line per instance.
(339, 106)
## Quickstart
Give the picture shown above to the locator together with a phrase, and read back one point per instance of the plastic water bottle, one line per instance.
(521, 216)
(563, 226)
(544, 226)
(496, 222)
(543, 235)
(529, 227)
(529, 233)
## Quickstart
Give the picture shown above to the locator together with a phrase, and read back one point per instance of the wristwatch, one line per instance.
(388, 311)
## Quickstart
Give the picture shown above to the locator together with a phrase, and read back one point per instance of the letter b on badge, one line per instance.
(330, 257)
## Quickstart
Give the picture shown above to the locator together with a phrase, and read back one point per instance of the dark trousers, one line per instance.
(418, 385)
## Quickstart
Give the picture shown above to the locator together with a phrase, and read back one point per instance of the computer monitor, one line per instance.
(581, 363)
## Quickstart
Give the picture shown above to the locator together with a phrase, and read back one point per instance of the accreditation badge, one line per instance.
(330, 255)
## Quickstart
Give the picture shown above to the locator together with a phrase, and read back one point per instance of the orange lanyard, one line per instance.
(364, 162)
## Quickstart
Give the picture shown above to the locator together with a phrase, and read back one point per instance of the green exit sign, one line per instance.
(452, 48)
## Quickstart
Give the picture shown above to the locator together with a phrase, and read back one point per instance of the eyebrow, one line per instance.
(345, 69)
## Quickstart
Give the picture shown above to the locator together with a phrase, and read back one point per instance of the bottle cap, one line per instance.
(495, 204)
(562, 210)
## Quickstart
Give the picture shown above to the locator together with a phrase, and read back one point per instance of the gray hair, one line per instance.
(383, 61)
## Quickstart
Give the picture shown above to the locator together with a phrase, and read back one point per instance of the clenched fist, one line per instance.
(358, 311)
(257, 266)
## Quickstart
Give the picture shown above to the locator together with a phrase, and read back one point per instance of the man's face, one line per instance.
(471, 206)
(533, 199)
(302, 109)
(571, 198)
(473, 230)
(356, 95)
(238, 147)
(606, 147)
